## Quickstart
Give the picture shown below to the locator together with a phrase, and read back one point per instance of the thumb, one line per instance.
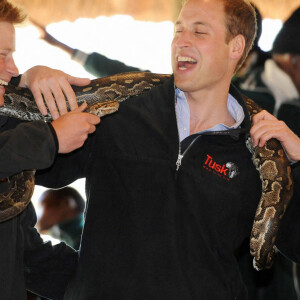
(78, 81)
(80, 108)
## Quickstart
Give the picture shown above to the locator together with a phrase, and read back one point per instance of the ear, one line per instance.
(237, 47)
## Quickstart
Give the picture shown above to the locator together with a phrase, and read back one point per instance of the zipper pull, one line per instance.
(178, 162)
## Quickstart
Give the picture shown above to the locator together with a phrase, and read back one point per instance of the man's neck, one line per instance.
(208, 109)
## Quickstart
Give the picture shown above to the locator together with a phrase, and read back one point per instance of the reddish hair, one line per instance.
(11, 13)
(240, 18)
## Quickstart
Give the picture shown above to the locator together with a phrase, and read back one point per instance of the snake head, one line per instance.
(101, 109)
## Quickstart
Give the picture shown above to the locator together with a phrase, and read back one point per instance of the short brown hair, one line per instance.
(240, 18)
(11, 13)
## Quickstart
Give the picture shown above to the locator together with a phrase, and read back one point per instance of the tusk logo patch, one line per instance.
(227, 171)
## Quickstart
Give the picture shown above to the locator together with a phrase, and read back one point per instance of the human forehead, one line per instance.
(7, 36)
(202, 12)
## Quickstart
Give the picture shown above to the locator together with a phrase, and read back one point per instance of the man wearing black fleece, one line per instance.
(164, 214)
(26, 262)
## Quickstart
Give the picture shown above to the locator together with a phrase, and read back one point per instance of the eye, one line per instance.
(200, 29)
(200, 32)
(178, 29)
(4, 53)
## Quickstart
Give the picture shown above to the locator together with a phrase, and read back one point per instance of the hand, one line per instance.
(73, 128)
(43, 32)
(49, 38)
(54, 85)
(265, 126)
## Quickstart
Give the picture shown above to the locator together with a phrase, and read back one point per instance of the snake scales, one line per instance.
(103, 96)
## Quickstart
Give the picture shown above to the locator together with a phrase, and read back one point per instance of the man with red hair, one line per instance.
(34, 145)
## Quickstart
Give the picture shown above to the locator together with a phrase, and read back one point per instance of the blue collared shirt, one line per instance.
(183, 115)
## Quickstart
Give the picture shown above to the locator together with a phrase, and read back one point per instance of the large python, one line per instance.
(103, 96)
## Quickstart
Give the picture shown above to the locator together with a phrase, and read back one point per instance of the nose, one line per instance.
(183, 39)
(11, 67)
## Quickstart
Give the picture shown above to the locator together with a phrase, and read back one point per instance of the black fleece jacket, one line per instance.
(151, 231)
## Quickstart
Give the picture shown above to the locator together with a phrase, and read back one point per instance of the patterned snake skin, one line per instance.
(277, 190)
(103, 96)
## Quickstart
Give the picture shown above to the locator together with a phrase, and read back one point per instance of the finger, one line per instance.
(49, 99)
(36, 92)
(92, 129)
(262, 115)
(40, 104)
(69, 94)
(54, 96)
(271, 129)
(256, 128)
(266, 136)
(259, 129)
(51, 104)
(81, 108)
(78, 81)
(59, 97)
(264, 125)
(93, 119)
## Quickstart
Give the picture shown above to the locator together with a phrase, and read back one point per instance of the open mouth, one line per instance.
(184, 62)
(3, 83)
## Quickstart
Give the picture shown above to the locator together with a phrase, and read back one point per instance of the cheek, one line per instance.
(173, 46)
(2, 65)
(211, 58)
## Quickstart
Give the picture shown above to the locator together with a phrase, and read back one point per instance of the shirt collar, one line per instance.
(183, 115)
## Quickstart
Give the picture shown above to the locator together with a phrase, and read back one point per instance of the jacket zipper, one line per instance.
(180, 156)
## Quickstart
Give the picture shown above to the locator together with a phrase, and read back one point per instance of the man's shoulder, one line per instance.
(164, 89)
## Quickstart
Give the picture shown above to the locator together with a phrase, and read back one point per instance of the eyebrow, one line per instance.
(195, 23)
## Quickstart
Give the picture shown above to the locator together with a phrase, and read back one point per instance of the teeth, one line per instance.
(2, 82)
(186, 59)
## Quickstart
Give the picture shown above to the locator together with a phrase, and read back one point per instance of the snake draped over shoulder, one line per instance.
(103, 96)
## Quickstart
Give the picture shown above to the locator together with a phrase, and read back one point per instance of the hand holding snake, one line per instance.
(50, 87)
(265, 126)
